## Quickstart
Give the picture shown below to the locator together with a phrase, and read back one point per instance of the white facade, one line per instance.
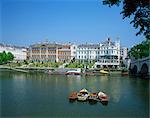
(87, 52)
(20, 53)
(73, 51)
(124, 52)
(106, 54)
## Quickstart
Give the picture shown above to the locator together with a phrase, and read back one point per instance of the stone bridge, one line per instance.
(140, 66)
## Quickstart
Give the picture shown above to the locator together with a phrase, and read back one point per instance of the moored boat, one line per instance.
(103, 97)
(73, 96)
(104, 72)
(93, 97)
(124, 73)
(73, 72)
(83, 95)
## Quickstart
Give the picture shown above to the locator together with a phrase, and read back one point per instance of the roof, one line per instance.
(46, 45)
(108, 43)
(88, 46)
(12, 46)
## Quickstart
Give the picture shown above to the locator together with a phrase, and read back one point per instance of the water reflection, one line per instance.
(39, 94)
(78, 77)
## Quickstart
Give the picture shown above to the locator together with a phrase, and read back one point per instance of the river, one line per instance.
(42, 95)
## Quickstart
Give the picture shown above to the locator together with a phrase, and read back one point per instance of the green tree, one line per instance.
(141, 50)
(140, 11)
(10, 56)
(4, 57)
(1, 58)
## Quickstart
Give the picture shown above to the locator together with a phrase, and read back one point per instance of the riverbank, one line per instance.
(57, 71)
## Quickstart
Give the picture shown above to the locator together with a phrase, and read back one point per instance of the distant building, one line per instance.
(105, 54)
(123, 53)
(87, 52)
(51, 52)
(109, 54)
(20, 53)
(64, 53)
(43, 52)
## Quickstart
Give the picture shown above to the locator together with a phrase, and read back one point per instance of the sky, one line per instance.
(26, 22)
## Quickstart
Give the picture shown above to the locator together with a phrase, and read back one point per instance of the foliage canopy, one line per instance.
(5, 57)
(141, 50)
(140, 11)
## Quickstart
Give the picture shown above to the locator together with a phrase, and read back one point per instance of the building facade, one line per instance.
(64, 53)
(43, 52)
(20, 53)
(87, 52)
(105, 54)
(51, 52)
(109, 55)
(123, 53)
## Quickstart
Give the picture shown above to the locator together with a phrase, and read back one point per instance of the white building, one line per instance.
(73, 51)
(106, 54)
(109, 54)
(20, 53)
(124, 53)
(87, 52)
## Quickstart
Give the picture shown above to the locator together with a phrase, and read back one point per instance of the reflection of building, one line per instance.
(20, 53)
(51, 52)
(106, 54)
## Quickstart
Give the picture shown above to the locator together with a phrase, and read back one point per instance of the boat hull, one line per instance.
(72, 73)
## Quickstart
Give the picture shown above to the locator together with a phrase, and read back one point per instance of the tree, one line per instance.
(1, 58)
(5, 57)
(140, 11)
(10, 56)
(141, 50)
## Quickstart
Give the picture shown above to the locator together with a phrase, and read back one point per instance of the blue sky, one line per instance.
(25, 22)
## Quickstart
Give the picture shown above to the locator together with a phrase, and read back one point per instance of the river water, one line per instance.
(42, 95)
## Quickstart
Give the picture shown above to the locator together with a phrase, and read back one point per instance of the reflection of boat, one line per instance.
(104, 72)
(83, 95)
(73, 72)
(103, 97)
(73, 96)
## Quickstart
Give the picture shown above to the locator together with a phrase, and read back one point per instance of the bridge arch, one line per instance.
(134, 70)
(144, 69)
